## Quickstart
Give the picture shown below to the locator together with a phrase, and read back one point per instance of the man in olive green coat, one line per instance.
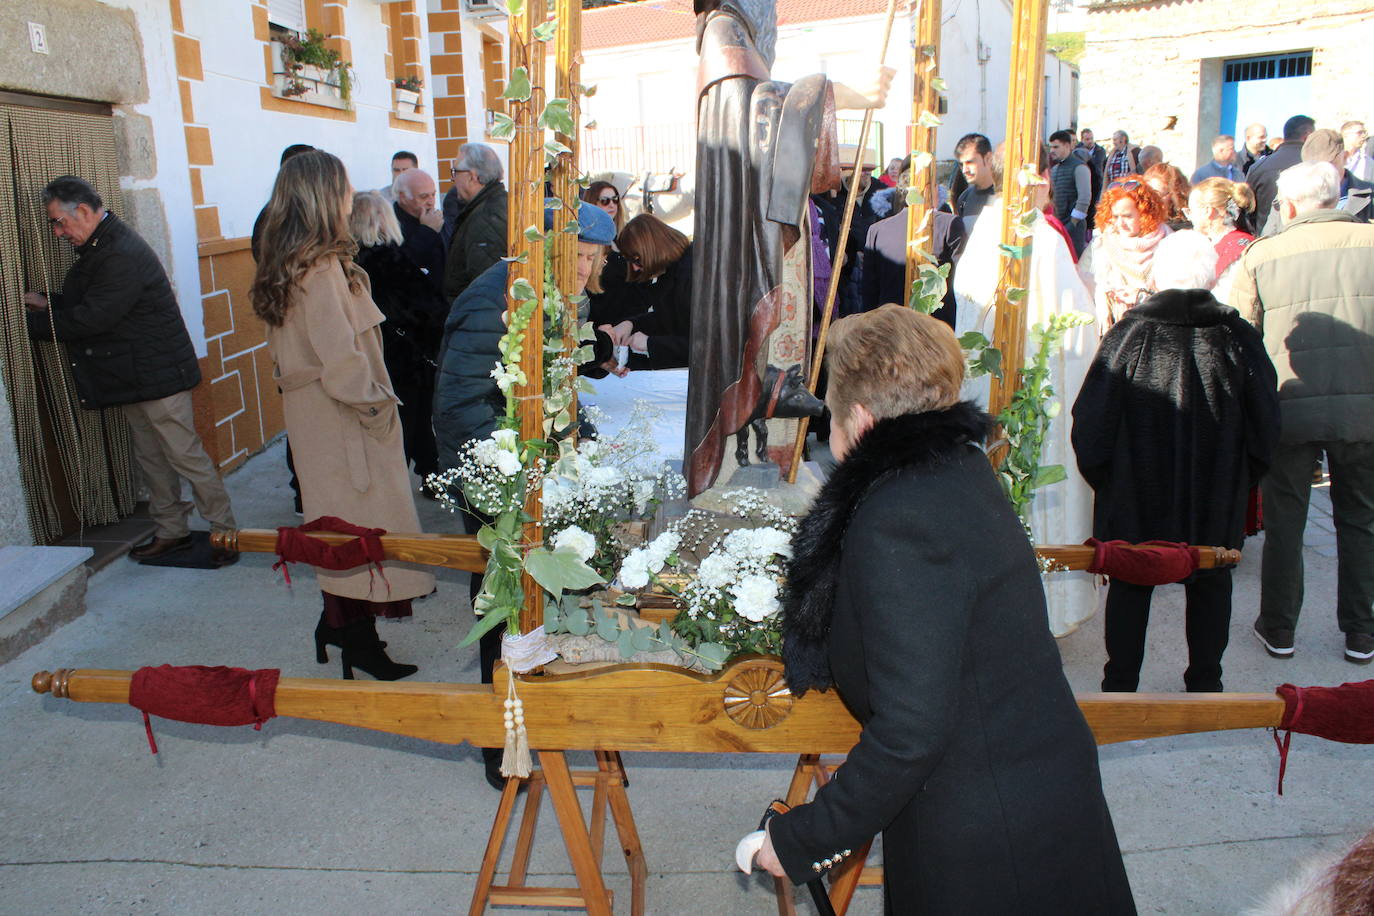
(1310, 290)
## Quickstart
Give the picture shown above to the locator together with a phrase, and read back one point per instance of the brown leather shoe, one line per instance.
(159, 547)
(223, 558)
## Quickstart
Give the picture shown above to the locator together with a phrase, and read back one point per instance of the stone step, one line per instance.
(41, 588)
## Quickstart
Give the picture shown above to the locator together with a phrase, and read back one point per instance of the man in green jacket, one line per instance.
(479, 235)
(1310, 290)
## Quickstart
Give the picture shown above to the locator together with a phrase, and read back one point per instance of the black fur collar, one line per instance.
(898, 443)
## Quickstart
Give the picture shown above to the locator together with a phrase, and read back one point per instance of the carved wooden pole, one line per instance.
(568, 75)
(921, 138)
(1024, 136)
(526, 210)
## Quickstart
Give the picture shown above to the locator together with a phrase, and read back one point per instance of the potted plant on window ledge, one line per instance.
(312, 71)
(407, 96)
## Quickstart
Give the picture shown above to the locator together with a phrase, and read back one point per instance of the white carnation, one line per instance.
(507, 463)
(578, 541)
(634, 572)
(716, 571)
(756, 597)
(656, 552)
(485, 452)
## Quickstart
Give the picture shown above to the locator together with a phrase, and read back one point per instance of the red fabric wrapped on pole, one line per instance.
(204, 695)
(1344, 713)
(1150, 563)
(294, 545)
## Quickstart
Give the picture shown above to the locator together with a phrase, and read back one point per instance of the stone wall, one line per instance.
(1154, 69)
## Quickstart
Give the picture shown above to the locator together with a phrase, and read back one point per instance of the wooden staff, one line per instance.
(660, 708)
(924, 97)
(526, 210)
(1024, 132)
(834, 288)
(450, 551)
(568, 74)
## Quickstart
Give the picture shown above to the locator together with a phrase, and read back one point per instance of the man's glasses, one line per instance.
(1128, 185)
(613, 199)
(55, 221)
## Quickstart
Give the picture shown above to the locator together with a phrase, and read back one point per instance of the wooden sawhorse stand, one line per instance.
(585, 847)
(812, 771)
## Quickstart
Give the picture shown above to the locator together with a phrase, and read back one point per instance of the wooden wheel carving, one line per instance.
(758, 698)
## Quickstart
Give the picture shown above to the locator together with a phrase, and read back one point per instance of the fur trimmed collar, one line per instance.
(891, 445)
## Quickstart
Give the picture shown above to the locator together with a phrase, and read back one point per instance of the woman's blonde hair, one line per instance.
(303, 224)
(1227, 197)
(893, 361)
(373, 221)
(656, 244)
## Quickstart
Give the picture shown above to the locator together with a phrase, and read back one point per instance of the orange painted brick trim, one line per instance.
(223, 246)
(290, 106)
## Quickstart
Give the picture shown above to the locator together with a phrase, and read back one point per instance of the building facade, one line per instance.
(179, 110)
(1176, 73)
(642, 59)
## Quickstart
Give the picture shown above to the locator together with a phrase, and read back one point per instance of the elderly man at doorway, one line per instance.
(129, 348)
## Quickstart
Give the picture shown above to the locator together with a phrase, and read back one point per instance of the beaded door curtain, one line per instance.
(74, 463)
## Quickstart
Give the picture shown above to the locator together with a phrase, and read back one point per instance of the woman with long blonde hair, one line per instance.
(340, 408)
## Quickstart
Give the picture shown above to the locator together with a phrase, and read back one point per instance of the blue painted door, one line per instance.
(1265, 90)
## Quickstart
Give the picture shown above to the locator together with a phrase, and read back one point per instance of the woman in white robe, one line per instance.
(1061, 513)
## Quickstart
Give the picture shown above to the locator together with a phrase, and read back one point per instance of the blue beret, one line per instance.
(594, 225)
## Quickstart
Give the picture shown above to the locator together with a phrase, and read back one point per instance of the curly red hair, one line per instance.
(1154, 212)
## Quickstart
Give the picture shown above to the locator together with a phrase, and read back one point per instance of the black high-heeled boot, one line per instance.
(362, 649)
(325, 635)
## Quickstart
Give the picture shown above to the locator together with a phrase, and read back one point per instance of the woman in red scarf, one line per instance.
(1215, 206)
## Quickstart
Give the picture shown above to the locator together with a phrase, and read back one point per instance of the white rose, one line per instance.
(505, 438)
(507, 463)
(578, 541)
(756, 597)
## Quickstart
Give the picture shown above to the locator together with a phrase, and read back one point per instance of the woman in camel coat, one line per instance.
(341, 412)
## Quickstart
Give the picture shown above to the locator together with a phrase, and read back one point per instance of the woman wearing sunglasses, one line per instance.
(1131, 221)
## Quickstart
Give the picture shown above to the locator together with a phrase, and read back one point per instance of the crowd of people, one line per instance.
(1231, 350)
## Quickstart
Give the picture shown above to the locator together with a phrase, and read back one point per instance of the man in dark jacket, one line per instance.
(1073, 182)
(1175, 422)
(479, 234)
(129, 348)
(1264, 175)
(421, 222)
(1310, 289)
(883, 270)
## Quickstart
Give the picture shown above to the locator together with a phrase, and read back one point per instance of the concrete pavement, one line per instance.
(311, 818)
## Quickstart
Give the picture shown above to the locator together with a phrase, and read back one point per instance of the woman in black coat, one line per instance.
(654, 303)
(1174, 424)
(914, 590)
(414, 313)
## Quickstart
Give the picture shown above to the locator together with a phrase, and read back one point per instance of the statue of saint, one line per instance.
(763, 148)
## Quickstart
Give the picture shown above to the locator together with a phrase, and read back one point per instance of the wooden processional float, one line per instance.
(645, 707)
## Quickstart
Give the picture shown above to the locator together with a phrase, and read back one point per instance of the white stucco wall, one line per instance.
(655, 84)
(248, 140)
(172, 180)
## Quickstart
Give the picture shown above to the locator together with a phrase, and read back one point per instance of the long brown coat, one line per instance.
(344, 428)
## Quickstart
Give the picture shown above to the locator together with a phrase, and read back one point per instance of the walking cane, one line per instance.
(751, 844)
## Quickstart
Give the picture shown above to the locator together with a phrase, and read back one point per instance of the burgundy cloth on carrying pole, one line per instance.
(1150, 563)
(295, 546)
(1344, 713)
(1254, 512)
(204, 695)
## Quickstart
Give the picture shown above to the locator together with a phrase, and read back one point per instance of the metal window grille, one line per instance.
(1278, 66)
